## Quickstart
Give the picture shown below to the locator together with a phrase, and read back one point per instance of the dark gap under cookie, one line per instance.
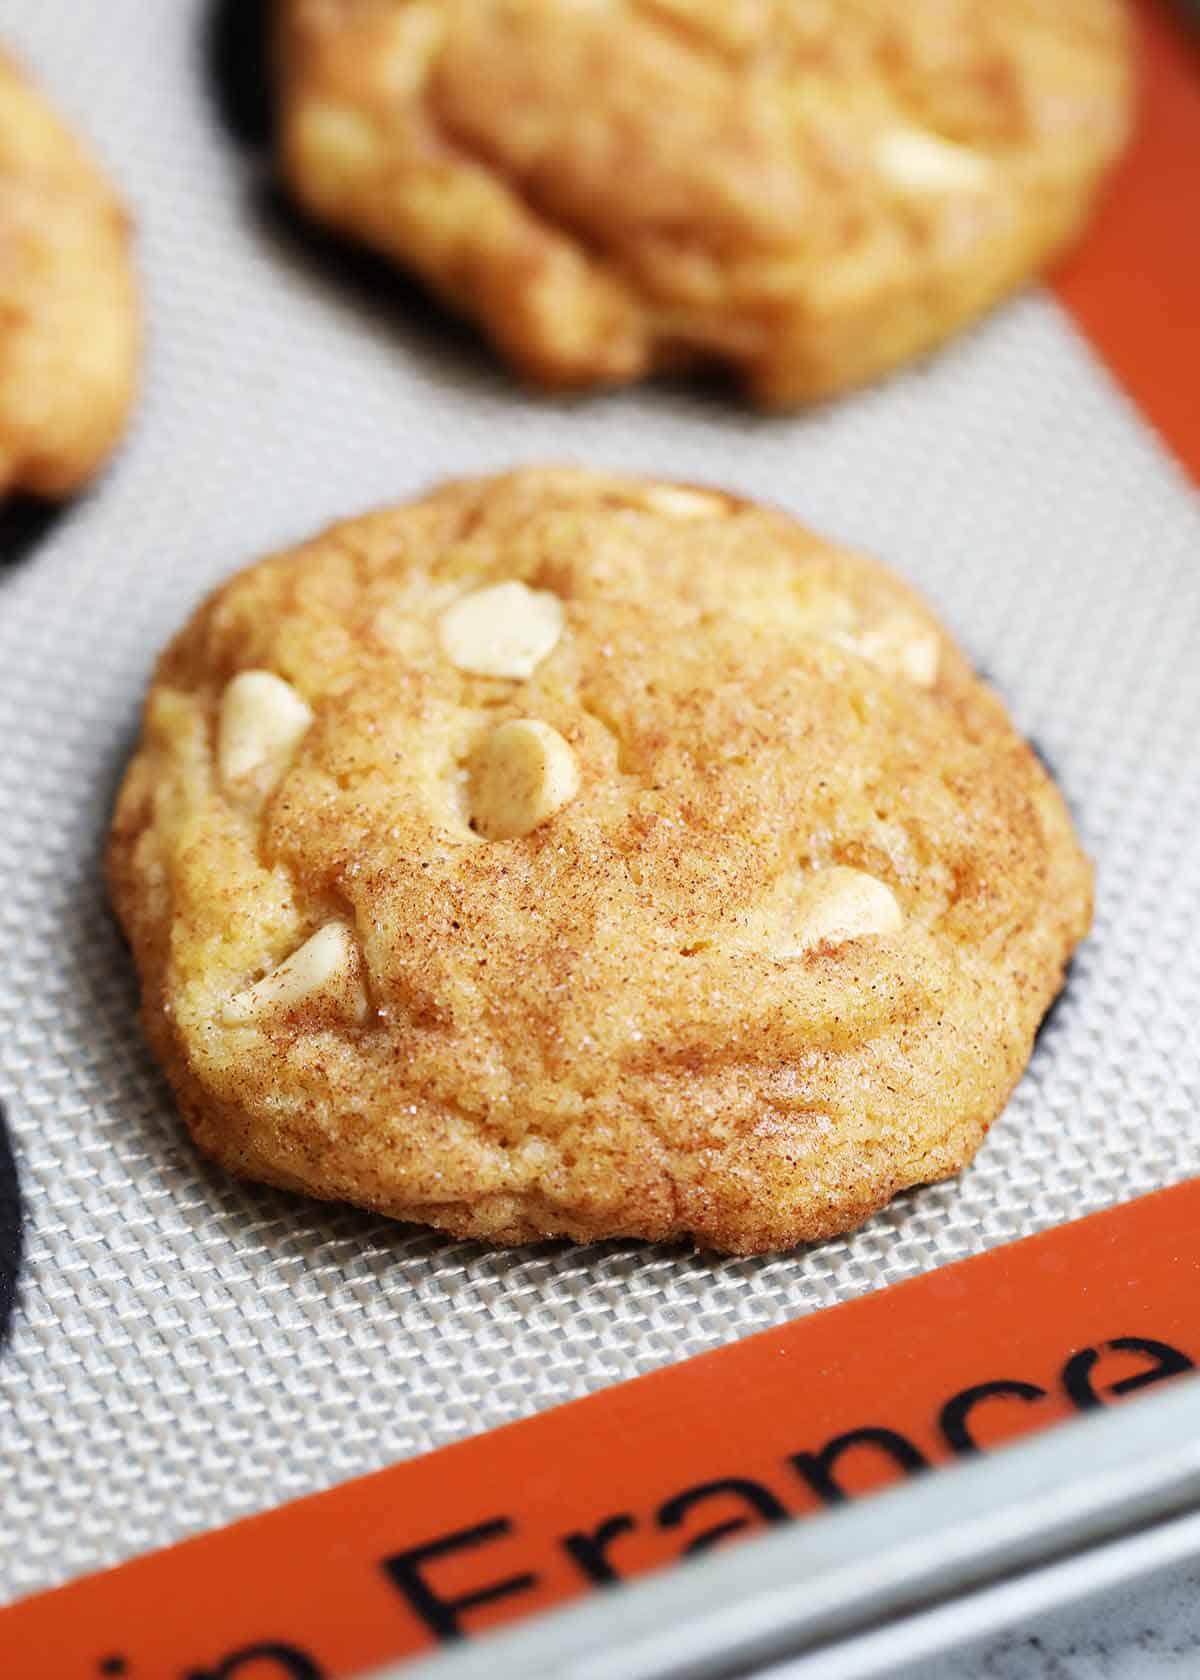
(1045, 761)
(11, 1230)
(1048, 1018)
(371, 283)
(24, 522)
(237, 62)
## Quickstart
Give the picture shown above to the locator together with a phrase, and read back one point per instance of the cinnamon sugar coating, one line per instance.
(780, 955)
(809, 192)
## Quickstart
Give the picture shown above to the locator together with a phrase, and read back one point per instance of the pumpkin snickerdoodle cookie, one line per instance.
(811, 193)
(68, 309)
(566, 854)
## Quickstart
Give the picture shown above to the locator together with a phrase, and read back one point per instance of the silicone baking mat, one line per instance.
(186, 1350)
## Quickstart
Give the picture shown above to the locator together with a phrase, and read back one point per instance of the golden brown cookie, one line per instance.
(810, 192)
(68, 307)
(563, 854)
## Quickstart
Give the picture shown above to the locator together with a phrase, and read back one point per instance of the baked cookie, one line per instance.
(569, 855)
(68, 309)
(810, 192)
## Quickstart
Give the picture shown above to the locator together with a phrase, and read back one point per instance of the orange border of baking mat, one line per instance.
(1133, 286)
(638, 1475)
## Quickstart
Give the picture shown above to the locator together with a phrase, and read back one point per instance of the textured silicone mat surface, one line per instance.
(185, 1349)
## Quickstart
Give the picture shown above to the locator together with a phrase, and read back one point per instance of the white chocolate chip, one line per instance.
(414, 34)
(839, 904)
(327, 963)
(918, 161)
(262, 722)
(803, 910)
(809, 609)
(338, 140)
(523, 774)
(505, 630)
(902, 645)
(677, 502)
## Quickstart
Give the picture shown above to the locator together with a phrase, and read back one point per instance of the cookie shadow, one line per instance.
(1043, 1037)
(236, 57)
(449, 347)
(25, 523)
(12, 1230)
(381, 296)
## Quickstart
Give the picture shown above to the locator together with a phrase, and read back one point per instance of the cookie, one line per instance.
(809, 193)
(571, 855)
(68, 307)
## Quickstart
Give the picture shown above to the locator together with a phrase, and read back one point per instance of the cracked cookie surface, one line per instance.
(811, 193)
(68, 308)
(566, 854)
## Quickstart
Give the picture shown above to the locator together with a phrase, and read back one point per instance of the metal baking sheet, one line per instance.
(185, 1349)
